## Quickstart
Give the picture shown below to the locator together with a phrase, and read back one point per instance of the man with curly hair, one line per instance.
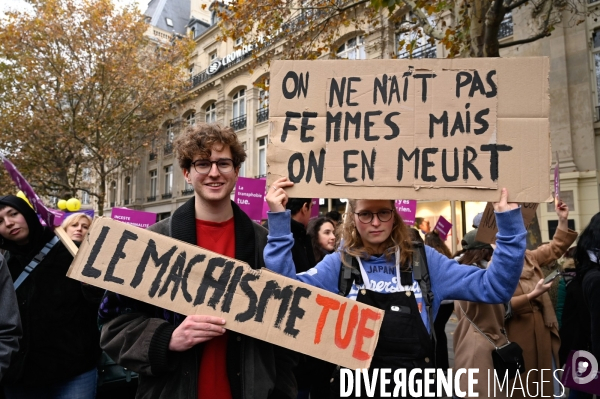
(196, 356)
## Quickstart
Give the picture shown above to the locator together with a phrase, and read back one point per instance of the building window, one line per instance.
(353, 49)
(85, 197)
(113, 193)
(238, 41)
(127, 191)
(239, 110)
(211, 113)
(169, 22)
(86, 174)
(506, 26)
(262, 157)
(187, 188)
(596, 55)
(190, 119)
(170, 132)
(168, 179)
(214, 18)
(153, 185)
(262, 114)
(212, 55)
(242, 171)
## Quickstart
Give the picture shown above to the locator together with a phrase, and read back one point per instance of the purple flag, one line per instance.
(249, 195)
(45, 214)
(62, 215)
(407, 210)
(443, 227)
(314, 210)
(556, 181)
(135, 218)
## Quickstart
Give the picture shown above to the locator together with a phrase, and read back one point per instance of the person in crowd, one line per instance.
(471, 348)
(59, 349)
(322, 235)
(321, 231)
(574, 322)
(477, 220)
(587, 264)
(423, 225)
(179, 357)
(375, 235)
(533, 324)
(414, 235)
(446, 308)
(335, 217)
(10, 321)
(303, 250)
(76, 225)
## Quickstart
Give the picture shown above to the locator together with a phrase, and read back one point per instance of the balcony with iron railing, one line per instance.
(506, 27)
(167, 195)
(188, 191)
(262, 115)
(426, 51)
(151, 198)
(238, 123)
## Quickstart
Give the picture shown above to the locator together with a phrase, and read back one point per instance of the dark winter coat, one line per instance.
(139, 338)
(60, 334)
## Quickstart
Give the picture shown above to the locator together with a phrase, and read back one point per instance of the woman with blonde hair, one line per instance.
(374, 234)
(77, 225)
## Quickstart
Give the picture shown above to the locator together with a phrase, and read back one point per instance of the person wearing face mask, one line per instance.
(374, 234)
(76, 226)
(60, 345)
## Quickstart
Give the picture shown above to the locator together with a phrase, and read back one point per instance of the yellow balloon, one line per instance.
(22, 195)
(62, 204)
(73, 204)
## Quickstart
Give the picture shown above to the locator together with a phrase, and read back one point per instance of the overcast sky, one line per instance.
(6, 5)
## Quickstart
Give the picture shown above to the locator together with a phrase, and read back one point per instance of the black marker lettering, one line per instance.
(296, 312)
(435, 121)
(305, 127)
(401, 156)
(88, 269)
(175, 275)
(495, 148)
(296, 178)
(468, 163)
(162, 262)
(424, 76)
(369, 125)
(119, 254)
(479, 119)
(336, 120)
(351, 90)
(392, 125)
(316, 166)
(335, 89)
(447, 177)
(233, 283)
(287, 126)
(427, 164)
(369, 167)
(355, 120)
(246, 289)
(348, 166)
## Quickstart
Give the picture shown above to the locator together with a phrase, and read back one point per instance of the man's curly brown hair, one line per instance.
(201, 138)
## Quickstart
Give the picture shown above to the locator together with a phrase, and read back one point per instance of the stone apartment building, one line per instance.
(224, 89)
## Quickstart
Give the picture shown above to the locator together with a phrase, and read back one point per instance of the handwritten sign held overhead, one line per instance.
(417, 129)
(262, 304)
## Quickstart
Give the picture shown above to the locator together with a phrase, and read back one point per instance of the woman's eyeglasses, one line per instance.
(367, 216)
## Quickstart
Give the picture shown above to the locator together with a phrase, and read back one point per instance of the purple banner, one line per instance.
(62, 215)
(45, 214)
(556, 181)
(314, 210)
(407, 210)
(249, 195)
(443, 227)
(581, 372)
(135, 218)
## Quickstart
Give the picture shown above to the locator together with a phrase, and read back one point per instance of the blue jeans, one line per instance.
(82, 386)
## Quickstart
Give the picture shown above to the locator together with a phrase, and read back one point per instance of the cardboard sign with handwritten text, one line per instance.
(431, 129)
(487, 227)
(262, 304)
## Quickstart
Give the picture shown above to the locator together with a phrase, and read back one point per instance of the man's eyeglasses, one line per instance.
(203, 166)
(367, 216)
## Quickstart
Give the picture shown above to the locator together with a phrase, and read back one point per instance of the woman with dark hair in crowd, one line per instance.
(60, 345)
(322, 236)
(374, 234)
(472, 349)
(587, 261)
(446, 308)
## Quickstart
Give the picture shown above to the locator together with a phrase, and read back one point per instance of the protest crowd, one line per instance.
(54, 329)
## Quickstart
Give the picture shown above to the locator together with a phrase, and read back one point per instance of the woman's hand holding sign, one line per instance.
(276, 196)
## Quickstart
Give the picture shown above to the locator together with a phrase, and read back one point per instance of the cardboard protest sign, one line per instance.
(487, 227)
(140, 219)
(435, 129)
(249, 195)
(407, 209)
(259, 303)
(44, 213)
(443, 227)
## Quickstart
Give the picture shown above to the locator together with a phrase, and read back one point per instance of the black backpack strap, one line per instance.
(35, 261)
(421, 275)
(348, 274)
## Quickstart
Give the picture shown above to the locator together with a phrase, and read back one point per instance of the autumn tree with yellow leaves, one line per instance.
(467, 28)
(83, 88)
